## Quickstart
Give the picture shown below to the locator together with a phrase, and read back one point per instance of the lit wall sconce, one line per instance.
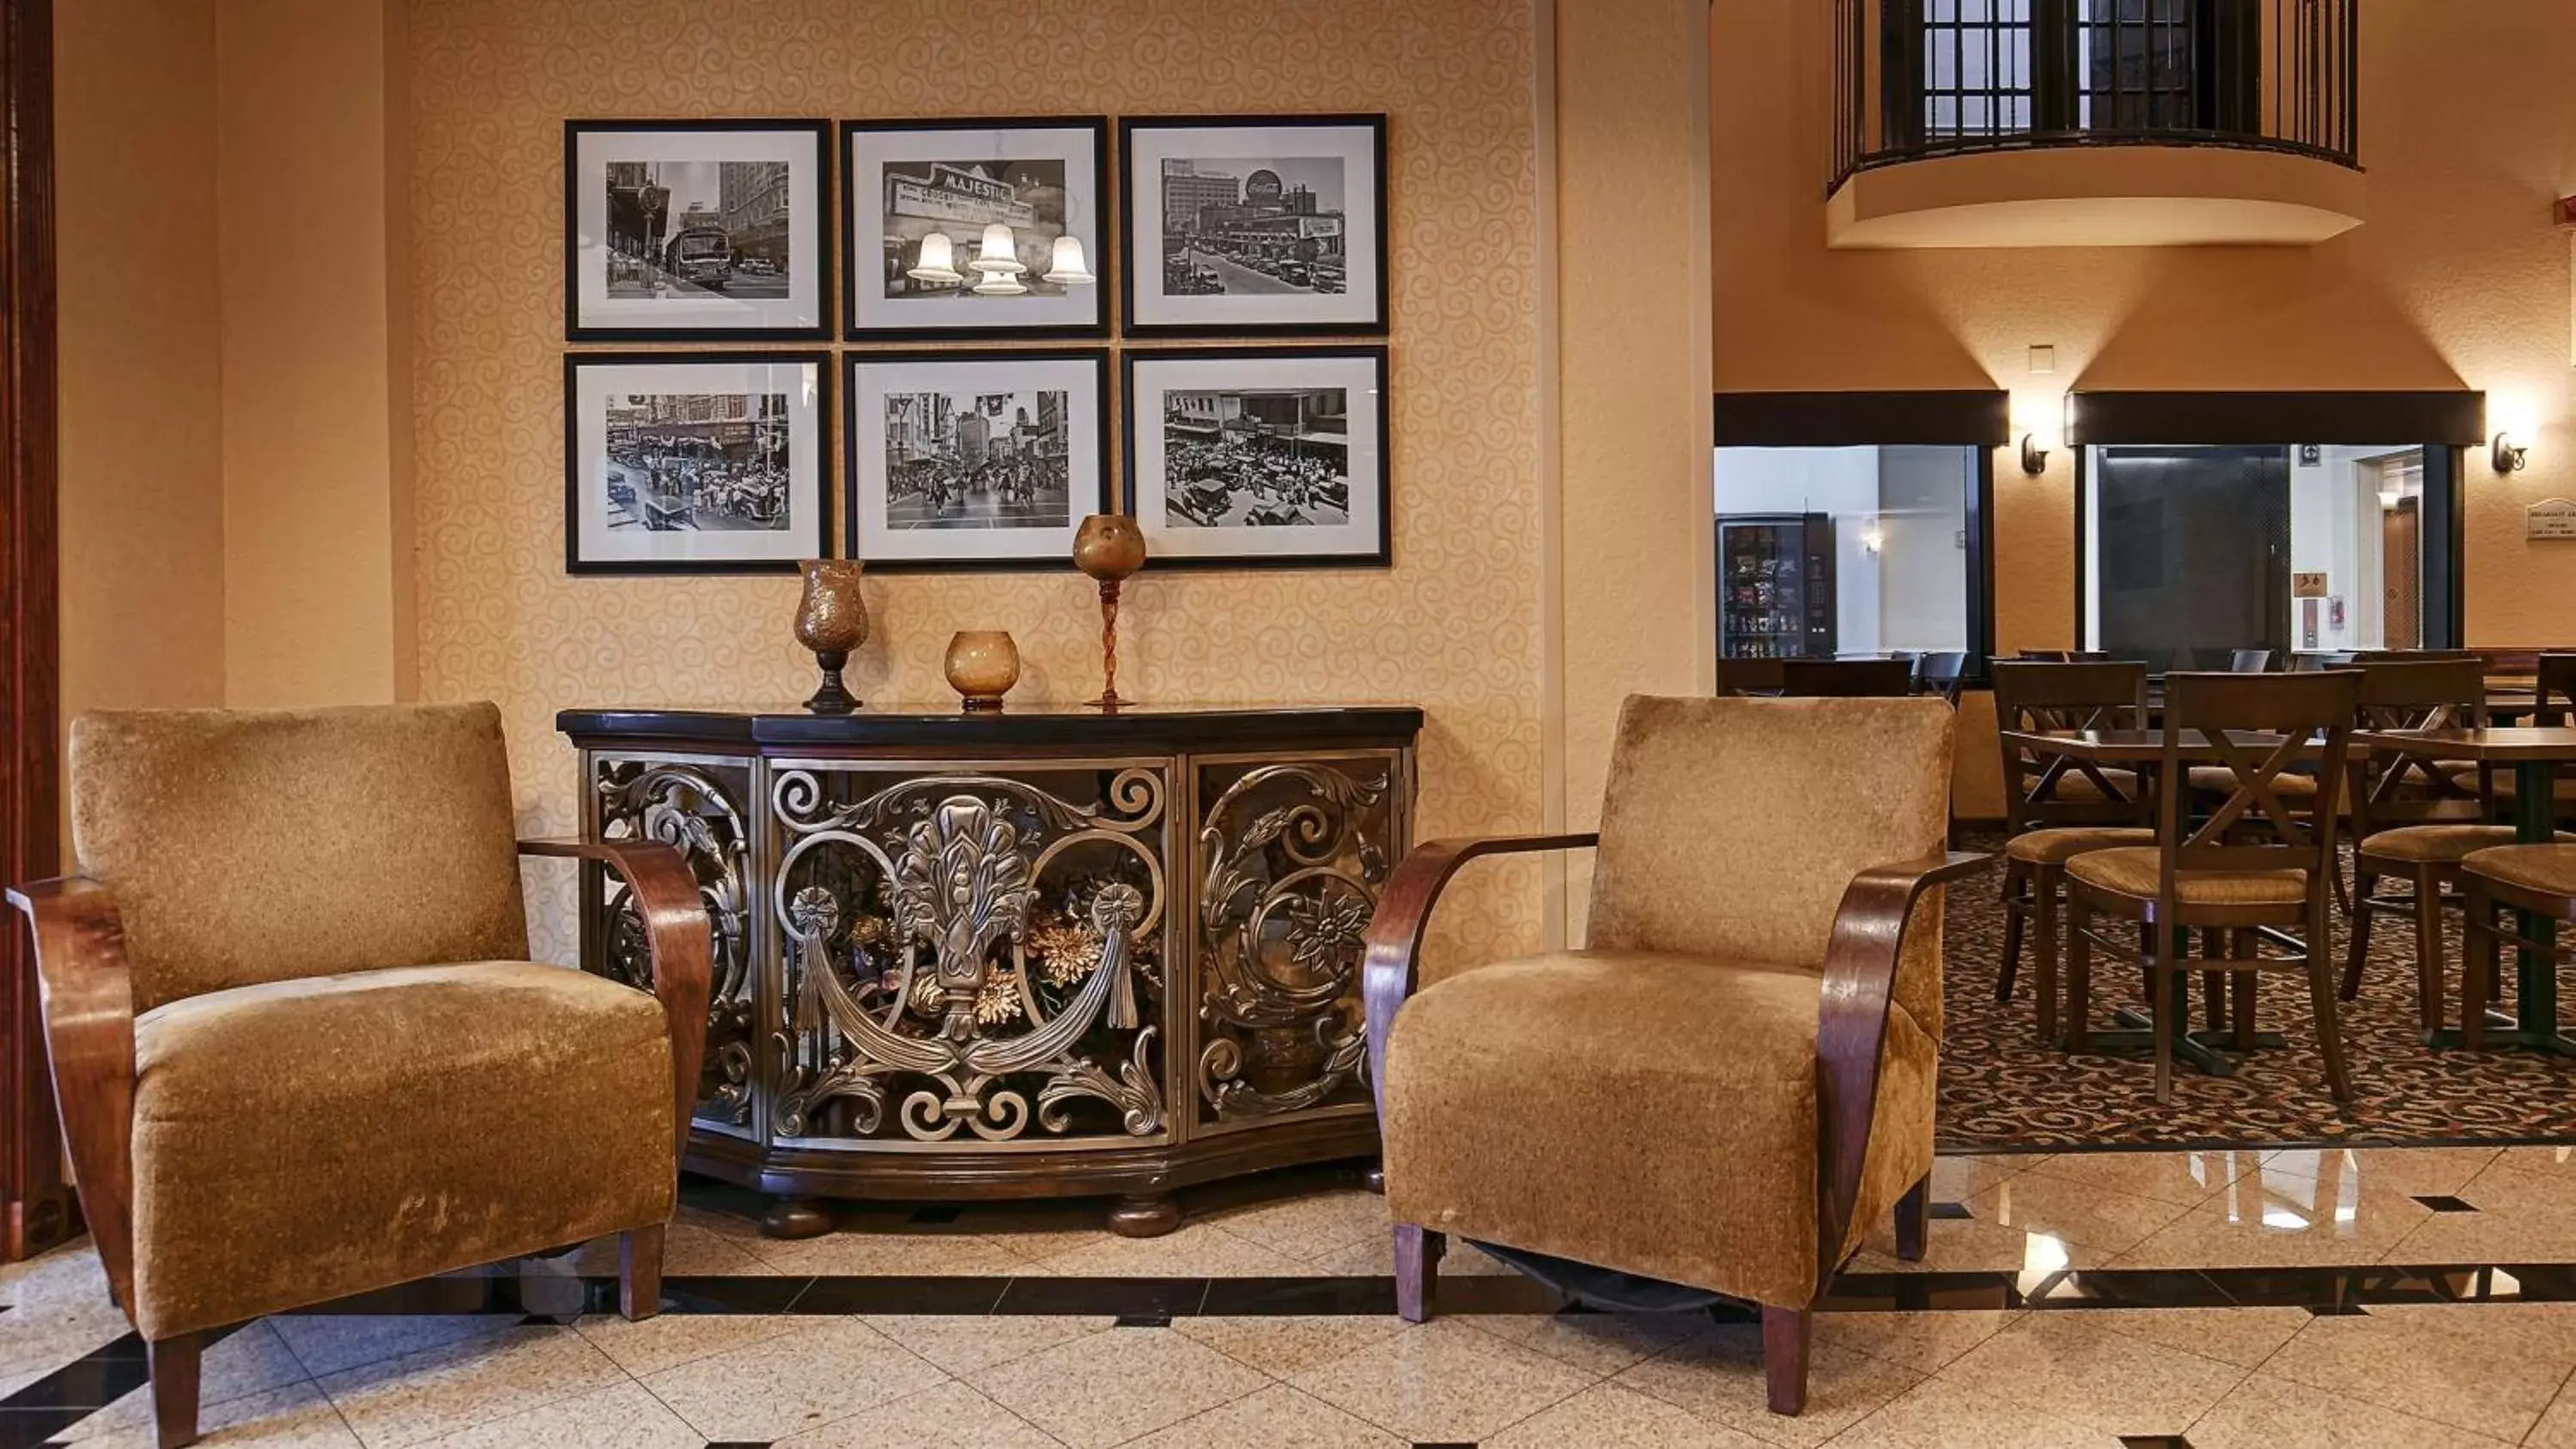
(1872, 540)
(937, 263)
(2508, 455)
(2034, 455)
(2390, 495)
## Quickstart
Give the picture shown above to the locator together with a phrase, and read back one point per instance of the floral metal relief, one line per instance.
(1294, 856)
(689, 808)
(971, 945)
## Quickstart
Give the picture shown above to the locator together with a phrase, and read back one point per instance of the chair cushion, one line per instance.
(2134, 873)
(2220, 780)
(1650, 1113)
(2439, 842)
(2051, 847)
(2076, 786)
(2550, 869)
(295, 1141)
(2507, 783)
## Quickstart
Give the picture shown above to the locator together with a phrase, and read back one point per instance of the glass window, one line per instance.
(2193, 553)
(1825, 552)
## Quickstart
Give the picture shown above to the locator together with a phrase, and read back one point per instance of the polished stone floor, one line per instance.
(2382, 1298)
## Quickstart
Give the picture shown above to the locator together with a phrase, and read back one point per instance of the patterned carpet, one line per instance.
(2002, 1090)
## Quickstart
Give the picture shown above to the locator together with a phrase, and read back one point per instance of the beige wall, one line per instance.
(316, 368)
(141, 411)
(1453, 625)
(2458, 279)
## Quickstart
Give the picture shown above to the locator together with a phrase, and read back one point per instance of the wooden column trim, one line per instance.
(39, 1209)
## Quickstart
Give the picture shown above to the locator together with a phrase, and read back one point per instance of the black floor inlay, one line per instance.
(2154, 1441)
(739, 1444)
(2444, 1203)
(1143, 1320)
(1950, 1211)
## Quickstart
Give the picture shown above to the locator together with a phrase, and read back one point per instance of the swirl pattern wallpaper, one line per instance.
(1454, 625)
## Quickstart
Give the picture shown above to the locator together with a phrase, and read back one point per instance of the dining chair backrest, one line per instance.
(1846, 678)
(1748, 676)
(2250, 661)
(2554, 689)
(2312, 661)
(1942, 671)
(2041, 791)
(2391, 788)
(2256, 727)
(2415, 656)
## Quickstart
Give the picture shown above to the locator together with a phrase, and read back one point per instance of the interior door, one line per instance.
(2401, 553)
(2194, 552)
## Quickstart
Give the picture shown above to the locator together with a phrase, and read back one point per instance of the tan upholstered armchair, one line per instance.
(298, 1048)
(1738, 1073)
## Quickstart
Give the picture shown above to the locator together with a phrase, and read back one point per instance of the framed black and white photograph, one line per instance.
(678, 231)
(1259, 457)
(1254, 224)
(975, 228)
(974, 461)
(699, 463)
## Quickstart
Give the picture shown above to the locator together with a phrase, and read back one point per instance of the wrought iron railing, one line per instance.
(1921, 78)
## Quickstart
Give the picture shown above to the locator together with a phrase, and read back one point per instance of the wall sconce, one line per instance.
(2390, 495)
(2508, 455)
(2034, 455)
(1872, 540)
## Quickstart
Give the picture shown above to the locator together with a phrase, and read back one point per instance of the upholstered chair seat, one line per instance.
(299, 1047)
(1601, 1068)
(1735, 1076)
(2058, 845)
(2134, 873)
(2075, 786)
(2540, 869)
(2412, 843)
(2507, 784)
(2216, 780)
(293, 1142)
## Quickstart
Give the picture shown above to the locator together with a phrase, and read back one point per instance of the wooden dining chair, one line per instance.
(2413, 819)
(1942, 673)
(2057, 809)
(2210, 877)
(2540, 879)
(2553, 705)
(2250, 661)
(1846, 678)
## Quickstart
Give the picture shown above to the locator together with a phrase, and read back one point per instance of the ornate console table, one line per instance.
(1037, 953)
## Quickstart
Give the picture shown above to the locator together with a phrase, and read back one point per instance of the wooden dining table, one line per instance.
(2143, 753)
(2534, 752)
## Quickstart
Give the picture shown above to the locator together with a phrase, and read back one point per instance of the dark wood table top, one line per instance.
(2141, 747)
(2503, 746)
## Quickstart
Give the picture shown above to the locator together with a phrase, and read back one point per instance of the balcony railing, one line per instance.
(1916, 79)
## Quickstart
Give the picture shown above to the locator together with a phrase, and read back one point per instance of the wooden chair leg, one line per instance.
(2016, 876)
(1785, 1335)
(173, 1364)
(2364, 885)
(2321, 992)
(2079, 973)
(639, 1273)
(2428, 947)
(1913, 1220)
(2480, 951)
(2044, 892)
(1417, 1271)
(2247, 948)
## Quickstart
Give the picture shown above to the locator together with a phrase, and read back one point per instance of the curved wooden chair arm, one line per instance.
(1860, 981)
(1394, 940)
(86, 991)
(682, 944)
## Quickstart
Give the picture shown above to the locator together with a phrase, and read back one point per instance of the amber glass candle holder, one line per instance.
(831, 620)
(1110, 549)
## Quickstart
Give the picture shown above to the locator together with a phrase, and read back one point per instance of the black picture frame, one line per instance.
(815, 542)
(814, 232)
(1141, 250)
(1379, 435)
(855, 433)
(855, 289)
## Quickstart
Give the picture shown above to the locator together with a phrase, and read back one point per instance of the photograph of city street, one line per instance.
(1253, 226)
(685, 230)
(956, 201)
(1276, 458)
(977, 460)
(708, 461)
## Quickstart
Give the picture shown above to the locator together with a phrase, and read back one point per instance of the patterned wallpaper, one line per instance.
(1454, 626)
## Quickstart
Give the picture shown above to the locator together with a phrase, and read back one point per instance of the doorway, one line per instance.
(2192, 547)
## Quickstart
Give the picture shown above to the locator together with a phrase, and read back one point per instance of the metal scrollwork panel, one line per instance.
(1292, 855)
(970, 958)
(697, 807)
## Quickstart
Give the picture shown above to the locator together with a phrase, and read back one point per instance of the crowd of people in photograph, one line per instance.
(1010, 486)
(662, 483)
(1257, 481)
